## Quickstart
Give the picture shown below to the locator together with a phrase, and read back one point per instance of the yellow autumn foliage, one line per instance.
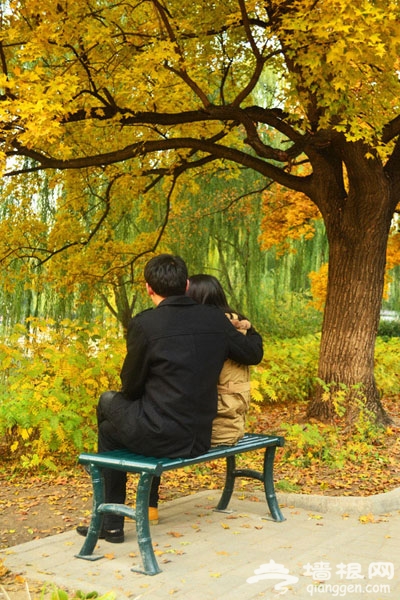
(74, 81)
(287, 215)
(51, 385)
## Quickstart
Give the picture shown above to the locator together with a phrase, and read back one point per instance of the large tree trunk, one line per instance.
(357, 235)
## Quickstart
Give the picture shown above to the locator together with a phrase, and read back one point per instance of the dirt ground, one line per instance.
(38, 507)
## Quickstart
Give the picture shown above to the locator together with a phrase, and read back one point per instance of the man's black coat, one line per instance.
(175, 353)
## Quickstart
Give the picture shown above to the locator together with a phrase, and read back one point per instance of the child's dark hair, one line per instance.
(206, 289)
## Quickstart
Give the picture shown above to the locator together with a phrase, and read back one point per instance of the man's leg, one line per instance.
(114, 481)
(110, 404)
(155, 484)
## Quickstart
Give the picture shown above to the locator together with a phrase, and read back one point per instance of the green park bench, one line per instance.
(148, 467)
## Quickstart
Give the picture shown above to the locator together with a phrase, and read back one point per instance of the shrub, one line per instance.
(389, 329)
(288, 370)
(54, 593)
(49, 387)
(52, 377)
(333, 445)
(387, 371)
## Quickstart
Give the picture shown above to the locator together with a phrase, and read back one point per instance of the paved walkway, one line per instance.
(335, 548)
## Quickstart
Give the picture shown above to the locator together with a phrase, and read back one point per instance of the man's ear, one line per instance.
(187, 285)
(149, 290)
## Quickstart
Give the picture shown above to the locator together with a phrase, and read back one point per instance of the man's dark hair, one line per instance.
(167, 275)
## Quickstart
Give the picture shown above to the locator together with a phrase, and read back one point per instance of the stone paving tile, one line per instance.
(209, 555)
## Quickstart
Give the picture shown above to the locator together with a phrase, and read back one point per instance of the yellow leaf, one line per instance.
(3, 569)
(369, 518)
(25, 433)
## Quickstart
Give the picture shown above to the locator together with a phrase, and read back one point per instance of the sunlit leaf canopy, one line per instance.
(92, 83)
(345, 64)
(109, 97)
(76, 77)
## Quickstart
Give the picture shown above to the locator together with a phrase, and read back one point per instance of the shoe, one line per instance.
(115, 536)
(153, 515)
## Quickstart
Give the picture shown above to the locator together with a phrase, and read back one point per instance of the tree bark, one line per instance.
(357, 230)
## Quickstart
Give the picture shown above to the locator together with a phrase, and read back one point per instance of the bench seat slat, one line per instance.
(123, 460)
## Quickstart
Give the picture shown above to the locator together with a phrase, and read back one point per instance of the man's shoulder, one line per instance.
(143, 312)
(211, 314)
(142, 315)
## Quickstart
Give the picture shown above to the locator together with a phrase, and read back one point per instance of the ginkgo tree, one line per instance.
(168, 88)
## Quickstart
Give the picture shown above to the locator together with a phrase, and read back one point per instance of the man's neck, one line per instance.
(157, 299)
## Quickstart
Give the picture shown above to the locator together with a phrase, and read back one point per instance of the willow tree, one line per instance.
(73, 242)
(169, 87)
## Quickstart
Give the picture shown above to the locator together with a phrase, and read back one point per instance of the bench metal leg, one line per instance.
(143, 527)
(140, 515)
(229, 483)
(96, 522)
(266, 477)
(269, 488)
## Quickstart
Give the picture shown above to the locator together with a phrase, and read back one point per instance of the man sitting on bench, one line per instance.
(168, 398)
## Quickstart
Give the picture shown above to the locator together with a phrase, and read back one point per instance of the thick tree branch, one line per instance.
(392, 170)
(218, 151)
(391, 130)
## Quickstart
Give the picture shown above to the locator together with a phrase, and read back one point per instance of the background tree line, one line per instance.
(270, 270)
(214, 224)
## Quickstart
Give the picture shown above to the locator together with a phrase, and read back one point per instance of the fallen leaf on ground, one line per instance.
(175, 534)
